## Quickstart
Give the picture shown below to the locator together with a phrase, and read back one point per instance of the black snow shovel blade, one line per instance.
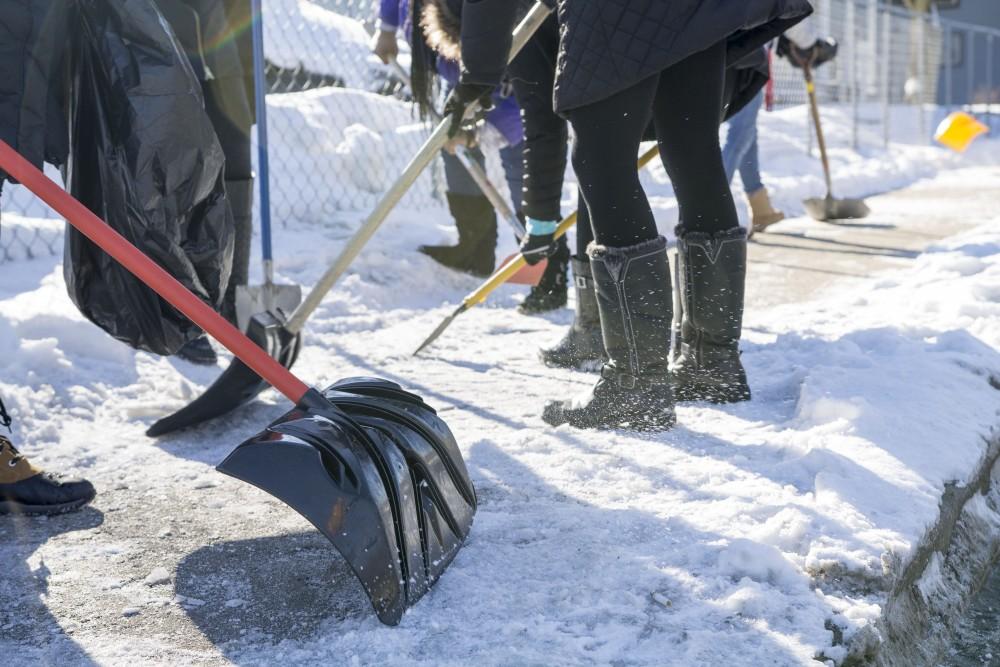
(238, 384)
(379, 473)
(832, 208)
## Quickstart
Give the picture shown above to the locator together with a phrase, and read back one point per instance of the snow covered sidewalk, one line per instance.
(771, 532)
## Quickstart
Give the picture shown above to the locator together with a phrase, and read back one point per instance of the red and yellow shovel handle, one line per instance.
(151, 274)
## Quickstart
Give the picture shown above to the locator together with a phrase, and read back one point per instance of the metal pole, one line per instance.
(949, 65)
(263, 170)
(886, 75)
(852, 35)
(989, 75)
(970, 66)
(922, 75)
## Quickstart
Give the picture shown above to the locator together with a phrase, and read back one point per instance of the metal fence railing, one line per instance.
(341, 127)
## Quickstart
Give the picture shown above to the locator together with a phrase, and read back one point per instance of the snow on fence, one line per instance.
(341, 126)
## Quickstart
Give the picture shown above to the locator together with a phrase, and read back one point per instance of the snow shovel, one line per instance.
(528, 275)
(239, 384)
(266, 297)
(958, 130)
(828, 208)
(371, 466)
(503, 274)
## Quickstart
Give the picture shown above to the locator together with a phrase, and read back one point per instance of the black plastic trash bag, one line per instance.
(144, 157)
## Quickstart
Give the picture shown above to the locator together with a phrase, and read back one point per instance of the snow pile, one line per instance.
(338, 150)
(300, 33)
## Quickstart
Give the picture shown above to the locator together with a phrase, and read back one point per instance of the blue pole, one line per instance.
(262, 163)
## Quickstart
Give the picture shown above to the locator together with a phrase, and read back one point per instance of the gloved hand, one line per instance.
(462, 97)
(385, 46)
(540, 242)
(822, 51)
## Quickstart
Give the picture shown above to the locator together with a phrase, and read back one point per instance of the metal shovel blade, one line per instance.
(264, 298)
(829, 208)
(376, 471)
(238, 384)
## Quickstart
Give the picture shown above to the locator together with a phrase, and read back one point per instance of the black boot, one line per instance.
(712, 278)
(635, 303)
(240, 197)
(199, 351)
(476, 222)
(24, 489)
(582, 344)
(551, 292)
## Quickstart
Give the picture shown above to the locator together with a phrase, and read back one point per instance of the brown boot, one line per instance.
(764, 215)
(24, 489)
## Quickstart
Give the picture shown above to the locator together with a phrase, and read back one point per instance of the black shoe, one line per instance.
(199, 351)
(476, 222)
(582, 345)
(551, 292)
(635, 303)
(712, 277)
(25, 489)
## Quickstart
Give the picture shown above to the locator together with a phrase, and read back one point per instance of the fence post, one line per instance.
(970, 66)
(851, 35)
(922, 76)
(949, 65)
(886, 74)
(989, 75)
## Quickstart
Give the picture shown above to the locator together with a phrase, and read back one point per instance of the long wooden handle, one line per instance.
(814, 109)
(150, 273)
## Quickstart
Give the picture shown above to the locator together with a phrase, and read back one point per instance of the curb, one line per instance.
(929, 597)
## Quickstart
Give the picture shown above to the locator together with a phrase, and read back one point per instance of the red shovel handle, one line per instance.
(150, 273)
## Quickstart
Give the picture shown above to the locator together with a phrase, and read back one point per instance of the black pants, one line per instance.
(685, 102)
(227, 107)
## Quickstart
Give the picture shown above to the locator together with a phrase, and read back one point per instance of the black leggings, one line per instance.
(685, 101)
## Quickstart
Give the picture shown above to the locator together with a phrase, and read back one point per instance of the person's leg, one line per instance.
(741, 132)
(583, 345)
(711, 246)
(629, 265)
(608, 134)
(475, 220)
(750, 164)
(764, 214)
(686, 115)
(512, 159)
(227, 106)
(25, 489)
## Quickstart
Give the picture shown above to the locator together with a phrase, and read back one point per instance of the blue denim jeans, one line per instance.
(740, 150)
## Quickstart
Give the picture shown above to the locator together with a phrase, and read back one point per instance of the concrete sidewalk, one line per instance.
(806, 256)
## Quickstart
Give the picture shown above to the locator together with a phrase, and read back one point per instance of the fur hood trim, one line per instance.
(443, 29)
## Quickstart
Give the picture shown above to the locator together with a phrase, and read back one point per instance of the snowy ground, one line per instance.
(751, 534)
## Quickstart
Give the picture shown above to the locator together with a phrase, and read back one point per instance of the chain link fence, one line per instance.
(341, 123)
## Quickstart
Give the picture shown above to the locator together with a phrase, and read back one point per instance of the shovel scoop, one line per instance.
(371, 466)
(832, 208)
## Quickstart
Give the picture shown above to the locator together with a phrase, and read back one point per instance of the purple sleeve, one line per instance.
(506, 118)
(389, 15)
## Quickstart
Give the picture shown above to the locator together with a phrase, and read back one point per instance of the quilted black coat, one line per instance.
(607, 46)
(33, 35)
